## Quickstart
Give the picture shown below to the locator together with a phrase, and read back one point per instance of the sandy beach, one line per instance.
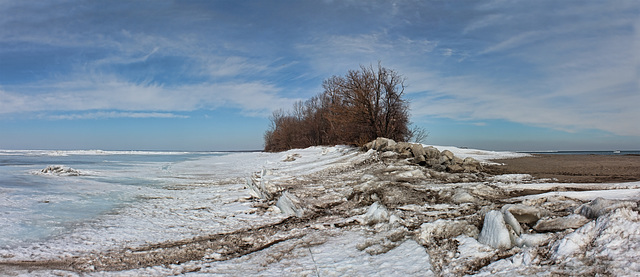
(573, 168)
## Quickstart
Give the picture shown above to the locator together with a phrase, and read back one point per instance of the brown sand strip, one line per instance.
(573, 168)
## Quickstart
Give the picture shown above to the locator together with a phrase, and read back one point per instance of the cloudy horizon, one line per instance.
(206, 75)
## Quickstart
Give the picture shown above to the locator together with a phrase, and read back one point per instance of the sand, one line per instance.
(573, 168)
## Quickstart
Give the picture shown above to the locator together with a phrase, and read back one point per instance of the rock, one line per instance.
(471, 161)
(402, 147)
(454, 168)
(383, 144)
(439, 167)
(494, 231)
(418, 154)
(433, 162)
(456, 160)
(444, 160)
(471, 165)
(431, 153)
(448, 154)
(601, 206)
(573, 221)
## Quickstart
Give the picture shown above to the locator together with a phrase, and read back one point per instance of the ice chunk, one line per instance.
(259, 186)
(60, 170)
(444, 229)
(573, 221)
(462, 196)
(600, 206)
(494, 231)
(512, 221)
(289, 204)
(526, 214)
(532, 240)
(375, 214)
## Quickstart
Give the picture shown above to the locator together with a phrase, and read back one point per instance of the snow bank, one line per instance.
(612, 240)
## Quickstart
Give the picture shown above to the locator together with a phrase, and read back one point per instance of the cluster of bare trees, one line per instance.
(354, 109)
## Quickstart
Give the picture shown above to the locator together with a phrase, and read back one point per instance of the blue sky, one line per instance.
(206, 75)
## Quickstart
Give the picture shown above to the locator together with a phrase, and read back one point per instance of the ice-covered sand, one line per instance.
(360, 214)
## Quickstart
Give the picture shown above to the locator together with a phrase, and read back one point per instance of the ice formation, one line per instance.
(494, 231)
(60, 170)
(289, 204)
(377, 213)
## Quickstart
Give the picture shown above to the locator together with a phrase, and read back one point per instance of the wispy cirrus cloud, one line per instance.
(557, 64)
(111, 93)
(114, 114)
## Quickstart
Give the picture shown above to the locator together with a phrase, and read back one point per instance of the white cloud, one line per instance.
(110, 93)
(115, 114)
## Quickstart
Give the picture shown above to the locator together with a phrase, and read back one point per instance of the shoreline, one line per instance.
(572, 168)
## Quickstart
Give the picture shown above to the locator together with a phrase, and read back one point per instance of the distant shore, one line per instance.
(573, 168)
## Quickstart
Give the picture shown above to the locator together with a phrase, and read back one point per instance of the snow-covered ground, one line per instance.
(424, 225)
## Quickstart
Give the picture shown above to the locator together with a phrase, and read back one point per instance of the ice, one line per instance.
(601, 206)
(512, 221)
(60, 170)
(412, 224)
(494, 231)
(614, 238)
(289, 204)
(483, 156)
(62, 153)
(617, 194)
(376, 213)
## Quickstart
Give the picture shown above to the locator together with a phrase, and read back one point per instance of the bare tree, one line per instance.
(367, 104)
(418, 134)
(354, 109)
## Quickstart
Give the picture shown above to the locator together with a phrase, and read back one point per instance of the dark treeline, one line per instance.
(353, 110)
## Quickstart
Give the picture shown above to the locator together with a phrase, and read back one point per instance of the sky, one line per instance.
(206, 75)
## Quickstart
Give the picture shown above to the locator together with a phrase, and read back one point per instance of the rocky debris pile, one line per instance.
(60, 170)
(465, 221)
(425, 156)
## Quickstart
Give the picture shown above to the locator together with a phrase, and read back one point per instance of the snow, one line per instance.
(619, 194)
(614, 238)
(483, 156)
(211, 194)
(55, 153)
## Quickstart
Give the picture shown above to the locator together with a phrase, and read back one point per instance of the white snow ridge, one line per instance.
(340, 211)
